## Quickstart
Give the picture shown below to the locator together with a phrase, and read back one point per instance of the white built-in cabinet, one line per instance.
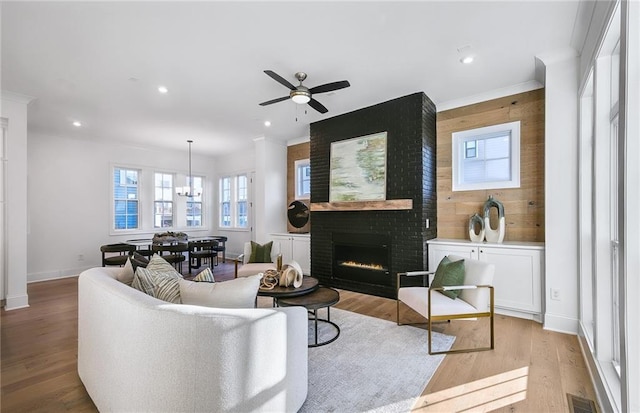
(518, 277)
(295, 247)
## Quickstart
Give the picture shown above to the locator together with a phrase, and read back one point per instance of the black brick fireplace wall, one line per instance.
(410, 123)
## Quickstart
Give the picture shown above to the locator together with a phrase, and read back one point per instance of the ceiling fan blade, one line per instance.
(279, 79)
(269, 102)
(328, 87)
(317, 106)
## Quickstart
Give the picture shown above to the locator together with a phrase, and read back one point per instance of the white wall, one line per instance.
(270, 201)
(561, 190)
(69, 199)
(241, 161)
(14, 109)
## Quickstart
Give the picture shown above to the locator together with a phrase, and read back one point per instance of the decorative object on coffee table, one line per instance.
(291, 275)
(309, 284)
(323, 297)
(494, 235)
(476, 220)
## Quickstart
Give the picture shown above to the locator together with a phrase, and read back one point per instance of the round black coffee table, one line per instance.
(309, 284)
(320, 298)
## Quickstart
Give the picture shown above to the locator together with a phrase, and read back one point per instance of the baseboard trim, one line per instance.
(17, 302)
(602, 395)
(54, 275)
(560, 324)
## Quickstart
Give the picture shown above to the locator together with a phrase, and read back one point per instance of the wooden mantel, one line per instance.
(392, 204)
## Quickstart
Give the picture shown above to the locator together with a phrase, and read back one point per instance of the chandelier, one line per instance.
(189, 191)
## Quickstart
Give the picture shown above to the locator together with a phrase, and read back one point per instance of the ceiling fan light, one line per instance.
(300, 97)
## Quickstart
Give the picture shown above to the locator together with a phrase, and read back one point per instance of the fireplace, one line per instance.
(363, 258)
(383, 241)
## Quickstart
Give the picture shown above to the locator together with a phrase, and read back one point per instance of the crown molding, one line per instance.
(16, 97)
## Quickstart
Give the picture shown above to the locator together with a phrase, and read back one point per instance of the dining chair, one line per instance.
(202, 251)
(172, 253)
(116, 254)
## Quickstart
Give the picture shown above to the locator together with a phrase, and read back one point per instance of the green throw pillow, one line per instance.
(260, 253)
(449, 273)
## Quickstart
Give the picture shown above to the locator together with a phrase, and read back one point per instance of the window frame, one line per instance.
(114, 199)
(194, 201)
(299, 180)
(459, 151)
(164, 201)
(235, 199)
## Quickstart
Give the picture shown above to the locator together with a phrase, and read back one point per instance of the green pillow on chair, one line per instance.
(449, 273)
(260, 253)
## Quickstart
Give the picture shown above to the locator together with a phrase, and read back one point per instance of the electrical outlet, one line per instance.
(80, 257)
(555, 294)
(426, 224)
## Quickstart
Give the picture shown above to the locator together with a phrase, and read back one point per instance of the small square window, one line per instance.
(303, 179)
(486, 158)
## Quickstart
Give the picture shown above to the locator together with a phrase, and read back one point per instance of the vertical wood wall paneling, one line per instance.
(295, 153)
(524, 206)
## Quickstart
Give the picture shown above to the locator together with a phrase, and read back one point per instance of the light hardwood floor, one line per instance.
(531, 370)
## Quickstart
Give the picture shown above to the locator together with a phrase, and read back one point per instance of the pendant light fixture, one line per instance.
(189, 191)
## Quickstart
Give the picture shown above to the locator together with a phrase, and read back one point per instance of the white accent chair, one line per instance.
(248, 268)
(475, 300)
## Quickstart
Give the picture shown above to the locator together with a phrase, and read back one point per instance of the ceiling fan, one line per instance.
(301, 94)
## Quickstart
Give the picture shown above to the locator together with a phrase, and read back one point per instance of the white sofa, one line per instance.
(140, 354)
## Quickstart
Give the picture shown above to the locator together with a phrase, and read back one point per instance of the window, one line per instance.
(163, 201)
(486, 158)
(125, 199)
(194, 204)
(303, 179)
(234, 201)
(241, 203)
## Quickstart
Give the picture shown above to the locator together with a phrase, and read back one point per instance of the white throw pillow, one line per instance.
(126, 273)
(236, 293)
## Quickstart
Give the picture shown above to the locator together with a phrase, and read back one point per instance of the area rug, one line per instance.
(374, 365)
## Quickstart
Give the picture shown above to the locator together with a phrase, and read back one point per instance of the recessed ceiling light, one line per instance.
(162, 89)
(77, 124)
(267, 123)
(466, 60)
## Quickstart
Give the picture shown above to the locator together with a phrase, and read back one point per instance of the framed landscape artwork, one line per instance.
(358, 170)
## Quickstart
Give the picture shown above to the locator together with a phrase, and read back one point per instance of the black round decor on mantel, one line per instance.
(298, 214)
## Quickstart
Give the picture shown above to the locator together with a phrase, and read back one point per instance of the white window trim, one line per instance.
(234, 202)
(146, 197)
(297, 164)
(457, 143)
(112, 225)
(172, 201)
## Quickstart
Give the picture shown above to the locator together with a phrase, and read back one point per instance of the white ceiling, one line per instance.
(101, 62)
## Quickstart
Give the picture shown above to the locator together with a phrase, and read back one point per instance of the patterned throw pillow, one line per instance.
(157, 263)
(162, 285)
(260, 253)
(204, 276)
(449, 273)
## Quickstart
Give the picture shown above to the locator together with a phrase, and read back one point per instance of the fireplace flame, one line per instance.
(356, 264)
